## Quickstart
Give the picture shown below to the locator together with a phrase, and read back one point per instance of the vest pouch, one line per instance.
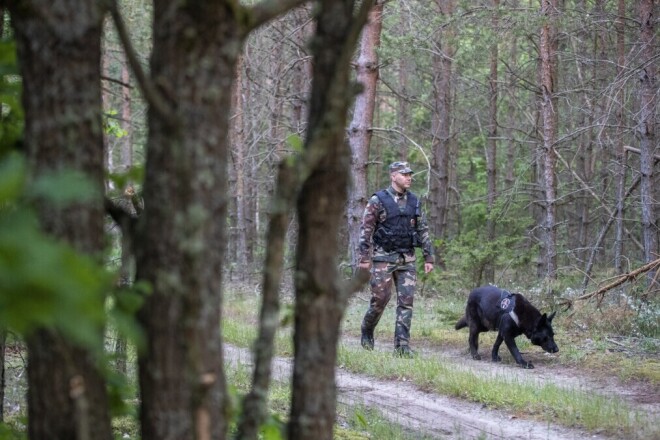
(416, 240)
(394, 241)
(385, 239)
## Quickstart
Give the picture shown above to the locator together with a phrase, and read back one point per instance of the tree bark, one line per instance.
(182, 230)
(320, 301)
(646, 131)
(548, 69)
(620, 167)
(441, 124)
(59, 47)
(491, 145)
(240, 171)
(359, 131)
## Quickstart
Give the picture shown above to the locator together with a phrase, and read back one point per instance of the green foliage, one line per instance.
(44, 282)
(11, 111)
(134, 175)
(62, 188)
(295, 142)
(124, 304)
(111, 126)
(13, 431)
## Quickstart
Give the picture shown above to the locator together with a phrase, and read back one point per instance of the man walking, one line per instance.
(392, 226)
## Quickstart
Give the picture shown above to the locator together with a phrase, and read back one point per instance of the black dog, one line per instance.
(491, 308)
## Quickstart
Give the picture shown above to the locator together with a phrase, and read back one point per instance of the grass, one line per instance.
(568, 407)
(433, 326)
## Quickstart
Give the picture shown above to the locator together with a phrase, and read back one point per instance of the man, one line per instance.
(392, 226)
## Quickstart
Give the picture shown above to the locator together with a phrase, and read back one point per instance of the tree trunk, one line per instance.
(403, 77)
(320, 302)
(126, 151)
(440, 125)
(620, 154)
(491, 146)
(240, 170)
(181, 232)
(548, 67)
(646, 131)
(59, 47)
(359, 132)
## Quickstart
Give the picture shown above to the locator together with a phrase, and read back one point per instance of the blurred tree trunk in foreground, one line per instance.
(320, 297)
(59, 49)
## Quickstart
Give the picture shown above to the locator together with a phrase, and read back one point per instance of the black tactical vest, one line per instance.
(396, 233)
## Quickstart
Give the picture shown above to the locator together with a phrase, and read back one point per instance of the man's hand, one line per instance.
(428, 267)
(366, 265)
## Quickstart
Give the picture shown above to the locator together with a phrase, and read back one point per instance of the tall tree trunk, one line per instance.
(302, 84)
(126, 152)
(441, 124)
(127, 269)
(182, 229)
(359, 132)
(548, 67)
(403, 66)
(287, 187)
(239, 170)
(646, 130)
(491, 145)
(59, 46)
(320, 300)
(3, 332)
(584, 150)
(620, 154)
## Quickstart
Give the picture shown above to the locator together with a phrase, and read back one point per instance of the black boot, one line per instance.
(367, 339)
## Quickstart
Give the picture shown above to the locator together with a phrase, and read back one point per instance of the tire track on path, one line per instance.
(431, 414)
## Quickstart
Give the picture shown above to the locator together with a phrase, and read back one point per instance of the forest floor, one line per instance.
(437, 416)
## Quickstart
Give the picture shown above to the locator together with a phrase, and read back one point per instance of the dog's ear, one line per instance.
(540, 321)
(552, 315)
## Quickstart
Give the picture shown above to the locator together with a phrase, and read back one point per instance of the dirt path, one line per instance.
(443, 417)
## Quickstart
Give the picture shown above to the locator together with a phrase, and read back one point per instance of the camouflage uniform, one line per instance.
(389, 268)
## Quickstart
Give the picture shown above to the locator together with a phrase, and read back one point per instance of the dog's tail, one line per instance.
(461, 323)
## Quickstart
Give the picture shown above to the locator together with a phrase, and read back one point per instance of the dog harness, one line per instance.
(507, 304)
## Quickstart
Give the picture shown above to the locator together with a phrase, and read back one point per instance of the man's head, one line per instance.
(401, 176)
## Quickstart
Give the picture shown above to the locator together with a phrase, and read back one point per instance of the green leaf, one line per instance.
(64, 187)
(45, 283)
(12, 178)
(295, 142)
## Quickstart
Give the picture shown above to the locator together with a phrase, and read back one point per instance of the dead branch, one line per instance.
(620, 280)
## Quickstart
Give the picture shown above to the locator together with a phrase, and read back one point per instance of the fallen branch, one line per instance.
(620, 280)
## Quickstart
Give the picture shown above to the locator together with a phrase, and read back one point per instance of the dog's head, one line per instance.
(543, 335)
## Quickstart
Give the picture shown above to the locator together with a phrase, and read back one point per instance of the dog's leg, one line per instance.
(513, 348)
(496, 348)
(474, 342)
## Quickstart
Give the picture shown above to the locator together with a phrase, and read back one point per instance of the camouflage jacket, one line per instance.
(375, 213)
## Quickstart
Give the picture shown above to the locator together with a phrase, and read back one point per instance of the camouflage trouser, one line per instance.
(404, 277)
